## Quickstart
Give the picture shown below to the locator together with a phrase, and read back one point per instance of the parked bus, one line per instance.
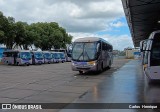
(91, 54)
(17, 57)
(62, 57)
(152, 56)
(55, 57)
(47, 57)
(37, 57)
(66, 52)
(2, 49)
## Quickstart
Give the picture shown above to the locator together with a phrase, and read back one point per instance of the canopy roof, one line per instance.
(143, 17)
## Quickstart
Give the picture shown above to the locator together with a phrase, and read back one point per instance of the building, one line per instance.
(132, 53)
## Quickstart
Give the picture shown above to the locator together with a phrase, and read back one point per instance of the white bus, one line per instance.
(91, 54)
(55, 57)
(17, 57)
(152, 57)
(66, 52)
(47, 57)
(62, 57)
(37, 57)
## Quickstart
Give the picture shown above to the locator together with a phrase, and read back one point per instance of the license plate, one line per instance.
(83, 63)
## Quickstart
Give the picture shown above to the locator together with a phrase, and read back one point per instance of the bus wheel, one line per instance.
(17, 63)
(101, 68)
(7, 63)
(80, 72)
(109, 66)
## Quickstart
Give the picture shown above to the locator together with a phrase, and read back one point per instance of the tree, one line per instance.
(20, 38)
(42, 35)
(7, 30)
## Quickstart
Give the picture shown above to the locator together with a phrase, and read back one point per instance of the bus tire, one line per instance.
(80, 72)
(17, 63)
(7, 63)
(100, 68)
(109, 66)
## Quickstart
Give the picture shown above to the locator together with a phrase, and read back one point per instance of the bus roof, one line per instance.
(152, 35)
(46, 51)
(57, 52)
(17, 51)
(91, 39)
(36, 51)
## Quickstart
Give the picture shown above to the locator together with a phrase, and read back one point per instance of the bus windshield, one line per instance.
(62, 55)
(84, 51)
(156, 52)
(25, 55)
(38, 55)
(47, 55)
(56, 56)
(155, 55)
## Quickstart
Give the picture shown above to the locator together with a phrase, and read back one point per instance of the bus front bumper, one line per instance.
(25, 63)
(88, 67)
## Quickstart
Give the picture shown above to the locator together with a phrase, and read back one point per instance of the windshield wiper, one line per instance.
(87, 55)
(80, 56)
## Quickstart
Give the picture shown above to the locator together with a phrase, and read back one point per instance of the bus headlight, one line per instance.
(93, 63)
(73, 64)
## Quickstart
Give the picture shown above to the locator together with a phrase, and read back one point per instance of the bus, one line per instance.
(2, 49)
(47, 57)
(66, 52)
(55, 57)
(91, 54)
(62, 57)
(17, 57)
(152, 57)
(37, 57)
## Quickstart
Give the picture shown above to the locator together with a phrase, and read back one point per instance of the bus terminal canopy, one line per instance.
(143, 17)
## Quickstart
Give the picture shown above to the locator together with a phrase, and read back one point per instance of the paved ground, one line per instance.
(47, 83)
(127, 85)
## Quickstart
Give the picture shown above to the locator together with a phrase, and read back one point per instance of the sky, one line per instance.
(80, 18)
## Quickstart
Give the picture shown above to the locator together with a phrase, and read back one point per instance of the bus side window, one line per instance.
(104, 46)
(98, 47)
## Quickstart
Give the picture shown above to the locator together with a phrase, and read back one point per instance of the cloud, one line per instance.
(74, 15)
(119, 42)
(117, 24)
(79, 17)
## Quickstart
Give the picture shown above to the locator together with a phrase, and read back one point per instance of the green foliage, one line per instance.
(42, 35)
(122, 53)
